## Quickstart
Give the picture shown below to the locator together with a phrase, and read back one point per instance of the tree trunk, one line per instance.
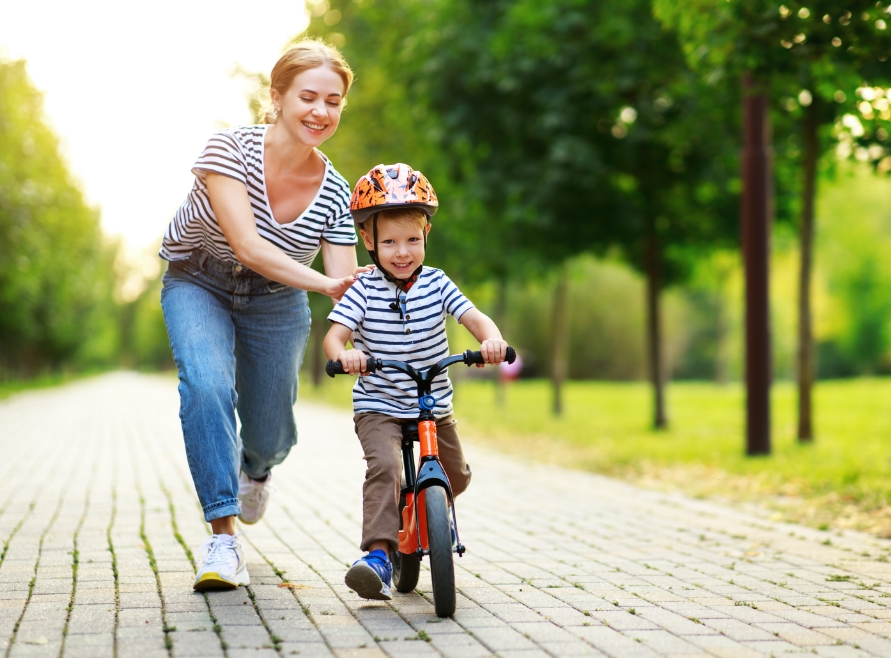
(654, 328)
(722, 333)
(755, 215)
(501, 321)
(560, 339)
(805, 333)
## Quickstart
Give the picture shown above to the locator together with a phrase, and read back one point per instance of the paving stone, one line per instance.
(798, 635)
(502, 639)
(724, 647)
(570, 649)
(663, 642)
(613, 643)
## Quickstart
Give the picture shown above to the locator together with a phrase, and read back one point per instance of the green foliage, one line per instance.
(147, 345)
(855, 249)
(809, 56)
(818, 40)
(56, 269)
(603, 343)
(548, 130)
(574, 126)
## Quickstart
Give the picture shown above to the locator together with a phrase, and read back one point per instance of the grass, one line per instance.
(842, 480)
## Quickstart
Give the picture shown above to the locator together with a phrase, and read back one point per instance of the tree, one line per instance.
(810, 58)
(56, 269)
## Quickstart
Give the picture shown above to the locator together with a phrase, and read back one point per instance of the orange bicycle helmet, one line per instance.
(392, 186)
(386, 187)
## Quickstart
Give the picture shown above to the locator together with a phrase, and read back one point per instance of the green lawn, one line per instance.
(842, 480)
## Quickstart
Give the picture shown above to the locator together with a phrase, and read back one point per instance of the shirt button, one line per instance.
(408, 317)
(408, 331)
(238, 268)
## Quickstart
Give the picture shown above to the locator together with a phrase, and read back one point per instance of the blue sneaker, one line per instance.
(370, 576)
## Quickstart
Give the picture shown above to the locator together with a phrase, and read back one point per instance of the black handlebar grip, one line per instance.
(336, 367)
(472, 358)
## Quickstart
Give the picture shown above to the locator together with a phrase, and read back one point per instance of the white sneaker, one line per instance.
(221, 564)
(254, 497)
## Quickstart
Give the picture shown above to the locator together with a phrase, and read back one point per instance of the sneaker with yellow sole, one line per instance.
(221, 564)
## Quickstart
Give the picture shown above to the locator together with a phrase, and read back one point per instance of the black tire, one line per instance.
(442, 566)
(406, 570)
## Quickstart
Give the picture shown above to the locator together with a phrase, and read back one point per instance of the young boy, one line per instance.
(398, 311)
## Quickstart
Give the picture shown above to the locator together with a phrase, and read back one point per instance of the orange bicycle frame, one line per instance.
(414, 515)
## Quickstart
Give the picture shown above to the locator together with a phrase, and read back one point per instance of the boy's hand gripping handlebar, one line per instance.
(469, 357)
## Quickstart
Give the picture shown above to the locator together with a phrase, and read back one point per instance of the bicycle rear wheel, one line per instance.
(406, 570)
(406, 566)
(442, 566)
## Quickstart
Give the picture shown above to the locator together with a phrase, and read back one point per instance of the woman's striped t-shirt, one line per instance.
(238, 153)
(416, 336)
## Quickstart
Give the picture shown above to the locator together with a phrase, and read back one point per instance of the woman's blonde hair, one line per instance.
(304, 55)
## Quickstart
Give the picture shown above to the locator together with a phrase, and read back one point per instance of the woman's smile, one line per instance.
(315, 127)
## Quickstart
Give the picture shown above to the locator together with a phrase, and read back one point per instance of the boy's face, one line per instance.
(400, 246)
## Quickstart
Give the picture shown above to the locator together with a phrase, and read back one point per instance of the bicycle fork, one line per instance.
(413, 535)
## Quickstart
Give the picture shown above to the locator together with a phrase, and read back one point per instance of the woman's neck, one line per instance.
(285, 154)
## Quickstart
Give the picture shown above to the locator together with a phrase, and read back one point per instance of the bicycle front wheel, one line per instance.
(442, 566)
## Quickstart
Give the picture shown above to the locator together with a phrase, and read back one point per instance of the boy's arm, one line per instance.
(492, 345)
(353, 361)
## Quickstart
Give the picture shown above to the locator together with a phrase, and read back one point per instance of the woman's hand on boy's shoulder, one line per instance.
(336, 288)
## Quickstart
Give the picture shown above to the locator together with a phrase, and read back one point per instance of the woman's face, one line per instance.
(311, 107)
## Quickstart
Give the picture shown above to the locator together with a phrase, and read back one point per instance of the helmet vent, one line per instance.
(393, 172)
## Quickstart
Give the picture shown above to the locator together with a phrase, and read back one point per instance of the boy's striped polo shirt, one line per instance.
(417, 337)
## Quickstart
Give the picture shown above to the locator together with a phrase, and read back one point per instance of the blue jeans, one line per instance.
(238, 341)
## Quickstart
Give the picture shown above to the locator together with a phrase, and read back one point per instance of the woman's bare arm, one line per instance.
(340, 260)
(230, 203)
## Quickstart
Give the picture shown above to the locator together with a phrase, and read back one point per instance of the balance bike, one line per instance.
(428, 523)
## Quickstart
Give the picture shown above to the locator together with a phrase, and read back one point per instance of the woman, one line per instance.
(263, 203)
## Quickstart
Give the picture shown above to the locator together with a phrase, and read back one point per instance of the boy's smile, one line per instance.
(400, 246)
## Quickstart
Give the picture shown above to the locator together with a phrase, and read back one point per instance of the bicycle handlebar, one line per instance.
(469, 357)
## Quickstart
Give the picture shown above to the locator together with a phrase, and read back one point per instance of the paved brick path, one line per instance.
(98, 519)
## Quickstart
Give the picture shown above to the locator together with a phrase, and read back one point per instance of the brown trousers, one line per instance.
(381, 439)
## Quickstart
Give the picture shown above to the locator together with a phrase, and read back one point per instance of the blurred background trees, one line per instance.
(825, 50)
(57, 275)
